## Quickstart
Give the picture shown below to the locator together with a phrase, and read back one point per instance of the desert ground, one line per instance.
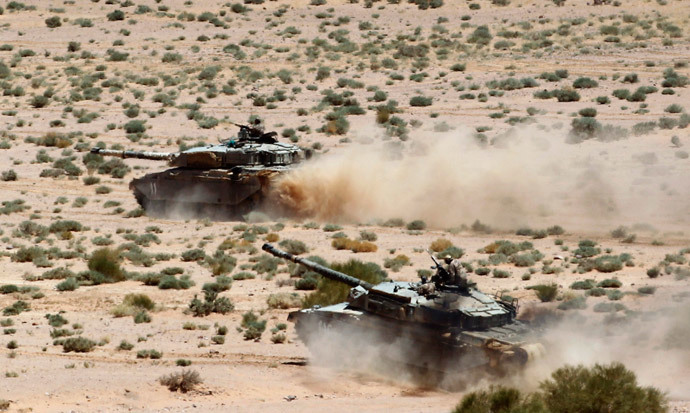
(558, 127)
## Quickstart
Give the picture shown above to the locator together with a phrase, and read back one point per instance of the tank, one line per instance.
(221, 181)
(444, 332)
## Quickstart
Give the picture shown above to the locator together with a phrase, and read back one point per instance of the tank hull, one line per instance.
(425, 354)
(218, 194)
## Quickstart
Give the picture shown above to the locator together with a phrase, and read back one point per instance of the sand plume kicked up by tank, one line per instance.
(532, 177)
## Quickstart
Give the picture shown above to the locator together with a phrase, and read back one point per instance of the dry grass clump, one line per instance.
(183, 381)
(284, 300)
(353, 245)
(440, 244)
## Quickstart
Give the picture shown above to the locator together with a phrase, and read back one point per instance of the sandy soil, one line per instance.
(530, 178)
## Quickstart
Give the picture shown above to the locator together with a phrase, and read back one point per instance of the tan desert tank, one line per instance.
(222, 181)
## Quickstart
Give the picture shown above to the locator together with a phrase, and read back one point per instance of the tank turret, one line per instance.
(457, 328)
(220, 181)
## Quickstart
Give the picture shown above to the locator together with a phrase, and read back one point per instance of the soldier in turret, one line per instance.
(253, 131)
(456, 273)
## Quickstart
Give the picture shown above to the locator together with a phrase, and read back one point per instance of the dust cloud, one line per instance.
(655, 345)
(530, 177)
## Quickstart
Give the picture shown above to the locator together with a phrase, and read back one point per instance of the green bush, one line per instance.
(116, 15)
(608, 263)
(585, 83)
(577, 389)
(78, 345)
(416, 225)
(135, 126)
(566, 95)
(106, 261)
(70, 284)
(421, 101)
(193, 255)
(577, 303)
(610, 283)
(294, 247)
(53, 22)
(481, 36)
(142, 317)
(601, 388)
(545, 292)
(254, 327)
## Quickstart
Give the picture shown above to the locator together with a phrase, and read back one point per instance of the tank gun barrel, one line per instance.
(156, 156)
(320, 269)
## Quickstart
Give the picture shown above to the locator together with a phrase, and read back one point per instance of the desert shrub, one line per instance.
(608, 263)
(142, 317)
(243, 275)
(653, 272)
(353, 245)
(39, 101)
(8, 289)
(610, 283)
(170, 282)
(420, 101)
(142, 301)
(647, 290)
(53, 22)
(586, 249)
(254, 327)
(577, 303)
(116, 15)
(294, 247)
(583, 285)
(149, 354)
(482, 271)
(284, 300)
(183, 381)
(125, 345)
(523, 260)
(331, 292)
(61, 226)
(193, 255)
(183, 362)
(16, 308)
(211, 304)
(396, 263)
(416, 225)
(220, 263)
(569, 390)
(603, 100)
(440, 244)
(78, 345)
(566, 95)
(595, 389)
(70, 284)
(106, 261)
(545, 292)
(608, 307)
(368, 236)
(135, 126)
(481, 36)
(498, 273)
(585, 83)
(588, 112)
